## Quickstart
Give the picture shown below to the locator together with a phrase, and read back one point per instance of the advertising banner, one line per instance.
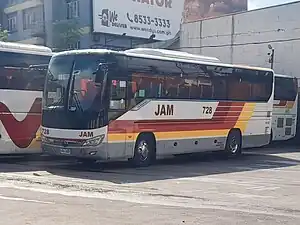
(201, 9)
(159, 19)
(138, 18)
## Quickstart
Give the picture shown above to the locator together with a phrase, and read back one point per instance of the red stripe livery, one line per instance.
(22, 132)
(225, 117)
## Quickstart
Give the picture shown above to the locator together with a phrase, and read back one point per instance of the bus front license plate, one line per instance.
(65, 151)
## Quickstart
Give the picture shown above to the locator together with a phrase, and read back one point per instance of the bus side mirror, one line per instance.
(102, 71)
(99, 78)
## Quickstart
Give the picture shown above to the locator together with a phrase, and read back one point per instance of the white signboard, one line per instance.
(138, 18)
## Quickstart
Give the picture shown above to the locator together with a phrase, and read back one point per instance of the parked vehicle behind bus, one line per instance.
(284, 119)
(22, 76)
(141, 104)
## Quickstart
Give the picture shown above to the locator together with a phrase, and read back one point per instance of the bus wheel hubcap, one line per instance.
(143, 150)
(233, 145)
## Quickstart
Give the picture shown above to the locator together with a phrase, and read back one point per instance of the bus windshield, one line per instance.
(71, 81)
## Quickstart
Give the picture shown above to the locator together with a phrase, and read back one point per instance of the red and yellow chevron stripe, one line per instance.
(228, 115)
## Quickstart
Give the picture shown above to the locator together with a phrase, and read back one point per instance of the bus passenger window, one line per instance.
(195, 92)
(207, 92)
(220, 88)
(118, 94)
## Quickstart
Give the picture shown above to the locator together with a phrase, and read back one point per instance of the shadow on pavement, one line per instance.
(274, 148)
(27, 163)
(179, 167)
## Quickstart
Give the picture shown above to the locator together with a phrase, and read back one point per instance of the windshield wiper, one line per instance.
(77, 101)
(55, 104)
(51, 77)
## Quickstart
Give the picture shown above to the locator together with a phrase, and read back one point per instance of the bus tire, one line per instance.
(271, 138)
(233, 147)
(144, 151)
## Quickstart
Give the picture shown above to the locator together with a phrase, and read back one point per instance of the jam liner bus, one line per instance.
(141, 104)
(23, 70)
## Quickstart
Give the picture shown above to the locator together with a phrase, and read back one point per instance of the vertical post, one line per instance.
(272, 58)
(271, 54)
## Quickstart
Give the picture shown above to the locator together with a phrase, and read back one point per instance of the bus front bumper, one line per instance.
(98, 152)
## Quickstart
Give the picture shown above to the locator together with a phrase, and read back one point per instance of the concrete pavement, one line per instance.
(262, 187)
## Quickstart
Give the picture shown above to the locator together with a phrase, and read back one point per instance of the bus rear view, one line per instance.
(284, 121)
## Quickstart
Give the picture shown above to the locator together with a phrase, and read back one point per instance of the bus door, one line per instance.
(119, 89)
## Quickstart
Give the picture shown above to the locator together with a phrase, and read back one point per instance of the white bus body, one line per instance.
(21, 89)
(284, 118)
(146, 102)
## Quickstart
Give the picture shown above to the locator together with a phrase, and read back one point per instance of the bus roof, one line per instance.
(171, 54)
(24, 48)
(162, 54)
(285, 76)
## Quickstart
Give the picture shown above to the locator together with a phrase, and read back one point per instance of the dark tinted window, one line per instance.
(249, 85)
(15, 71)
(22, 60)
(166, 79)
(285, 88)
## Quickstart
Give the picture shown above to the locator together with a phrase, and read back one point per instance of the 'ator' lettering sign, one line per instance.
(164, 110)
(159, 3)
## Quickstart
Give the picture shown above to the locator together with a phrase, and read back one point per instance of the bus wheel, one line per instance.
(271, 138)
(234, 143)
(144, 152)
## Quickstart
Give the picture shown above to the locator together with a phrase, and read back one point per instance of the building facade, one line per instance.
(248, 38)
(34, 22)
(24, 19)
(2, 5)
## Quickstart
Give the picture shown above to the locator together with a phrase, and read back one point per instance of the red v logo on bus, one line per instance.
(22, 132)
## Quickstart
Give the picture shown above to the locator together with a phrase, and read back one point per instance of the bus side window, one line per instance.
(35, 79)
(132, 89)
(118, 94)
(36, 84)
(14, 78)
(3, 82)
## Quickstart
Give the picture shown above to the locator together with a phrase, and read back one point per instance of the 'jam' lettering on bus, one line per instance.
(87, 134)
(164, 110)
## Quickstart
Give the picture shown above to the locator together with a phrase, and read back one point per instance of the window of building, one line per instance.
(74, 46)
(12, 24)
(12, 2)
(72, 9)
(29, 20)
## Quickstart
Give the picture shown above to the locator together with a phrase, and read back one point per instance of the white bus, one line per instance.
(284, 119)
(22, 78)
(141, 104)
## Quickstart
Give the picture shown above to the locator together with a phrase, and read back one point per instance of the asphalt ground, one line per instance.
(260, 187)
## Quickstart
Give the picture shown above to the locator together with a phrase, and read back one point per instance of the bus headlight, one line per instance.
(94, 141)
(46, 140)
